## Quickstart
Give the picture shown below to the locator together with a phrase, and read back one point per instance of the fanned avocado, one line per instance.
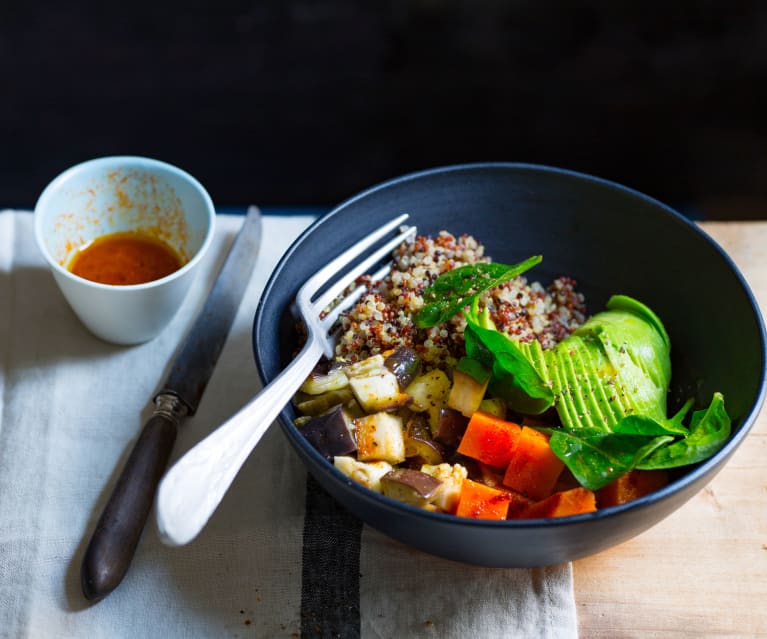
(616, 364)
(608, 381)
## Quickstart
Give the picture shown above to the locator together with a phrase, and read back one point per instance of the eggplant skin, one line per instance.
(419, 442)
(330, 433)
(450, 427)
(405, 363)
(411, 486)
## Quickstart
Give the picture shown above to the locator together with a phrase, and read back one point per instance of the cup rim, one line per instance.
(131, 161)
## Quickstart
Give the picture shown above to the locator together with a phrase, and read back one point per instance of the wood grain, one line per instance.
(703, 571)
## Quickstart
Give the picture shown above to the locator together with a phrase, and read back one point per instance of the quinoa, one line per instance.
(383, 318)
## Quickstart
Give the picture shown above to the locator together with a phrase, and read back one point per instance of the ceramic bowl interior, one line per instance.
(611, 239)
(116, 194)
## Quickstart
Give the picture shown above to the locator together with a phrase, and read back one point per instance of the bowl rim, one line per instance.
(695, 474)
(124, 161)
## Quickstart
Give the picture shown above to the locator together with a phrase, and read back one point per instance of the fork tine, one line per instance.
(363, 267)
(351, 299)
(314, 283)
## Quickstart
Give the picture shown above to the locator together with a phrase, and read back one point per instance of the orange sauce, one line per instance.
(125, 258)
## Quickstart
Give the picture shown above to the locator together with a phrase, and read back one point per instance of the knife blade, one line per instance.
(117, 532)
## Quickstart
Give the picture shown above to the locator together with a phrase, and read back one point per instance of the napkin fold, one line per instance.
(279, 558)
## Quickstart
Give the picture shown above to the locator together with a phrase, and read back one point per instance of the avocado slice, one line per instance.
(616, 364)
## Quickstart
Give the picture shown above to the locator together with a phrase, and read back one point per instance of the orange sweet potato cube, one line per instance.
(489, 439)
(482, 502)
(562, 504)
(533, 468)
(633, 485)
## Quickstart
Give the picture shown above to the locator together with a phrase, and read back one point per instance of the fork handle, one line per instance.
(192, 489)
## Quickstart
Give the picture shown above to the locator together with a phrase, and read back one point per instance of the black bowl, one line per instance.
(611, 239)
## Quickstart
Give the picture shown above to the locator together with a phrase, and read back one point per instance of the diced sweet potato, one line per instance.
(482, 502)
(489, 439)
(533, 468)
(632, 485)
(562, 504)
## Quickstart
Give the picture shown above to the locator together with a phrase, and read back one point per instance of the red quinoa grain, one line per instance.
(382, 319)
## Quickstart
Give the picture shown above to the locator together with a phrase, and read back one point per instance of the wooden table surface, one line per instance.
(702, 572)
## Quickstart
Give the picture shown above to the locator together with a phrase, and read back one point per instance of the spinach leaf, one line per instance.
(709, 430)
(596, 457)
(455, 289)
(474, 369)
(514, 378)
(645, 425)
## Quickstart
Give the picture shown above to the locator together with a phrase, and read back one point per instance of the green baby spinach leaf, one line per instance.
(455, 289)
(474, 369)
(514, 378)
(709, 430)
(596, 458)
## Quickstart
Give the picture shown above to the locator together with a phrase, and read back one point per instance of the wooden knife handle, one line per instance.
(119, 528)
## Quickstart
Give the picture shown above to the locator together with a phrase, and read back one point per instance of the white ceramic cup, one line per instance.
(115, 194)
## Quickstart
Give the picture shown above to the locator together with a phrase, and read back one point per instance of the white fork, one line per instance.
(192, 489)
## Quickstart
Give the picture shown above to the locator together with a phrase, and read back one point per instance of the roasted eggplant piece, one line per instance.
(375, 386)
(466, 393)
(419, 442)
(429, 390)
(380, 438)
(323, 381)
(320, 404)
(370, 366)
(410, 486)
(495, 406)
(450, 427)
(366, 473)
(449, 491)
(405, 363)
(379, 391)
(330, 433)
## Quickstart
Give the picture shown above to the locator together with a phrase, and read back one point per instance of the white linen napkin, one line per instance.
(71, 407)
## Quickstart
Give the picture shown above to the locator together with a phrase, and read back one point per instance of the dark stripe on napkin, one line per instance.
(330, 588)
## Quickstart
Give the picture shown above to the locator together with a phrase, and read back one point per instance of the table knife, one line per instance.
(116, 536)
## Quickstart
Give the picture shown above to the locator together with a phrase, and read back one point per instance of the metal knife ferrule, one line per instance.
(171, 407)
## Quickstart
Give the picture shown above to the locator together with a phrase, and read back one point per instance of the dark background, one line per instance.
(305, 103)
